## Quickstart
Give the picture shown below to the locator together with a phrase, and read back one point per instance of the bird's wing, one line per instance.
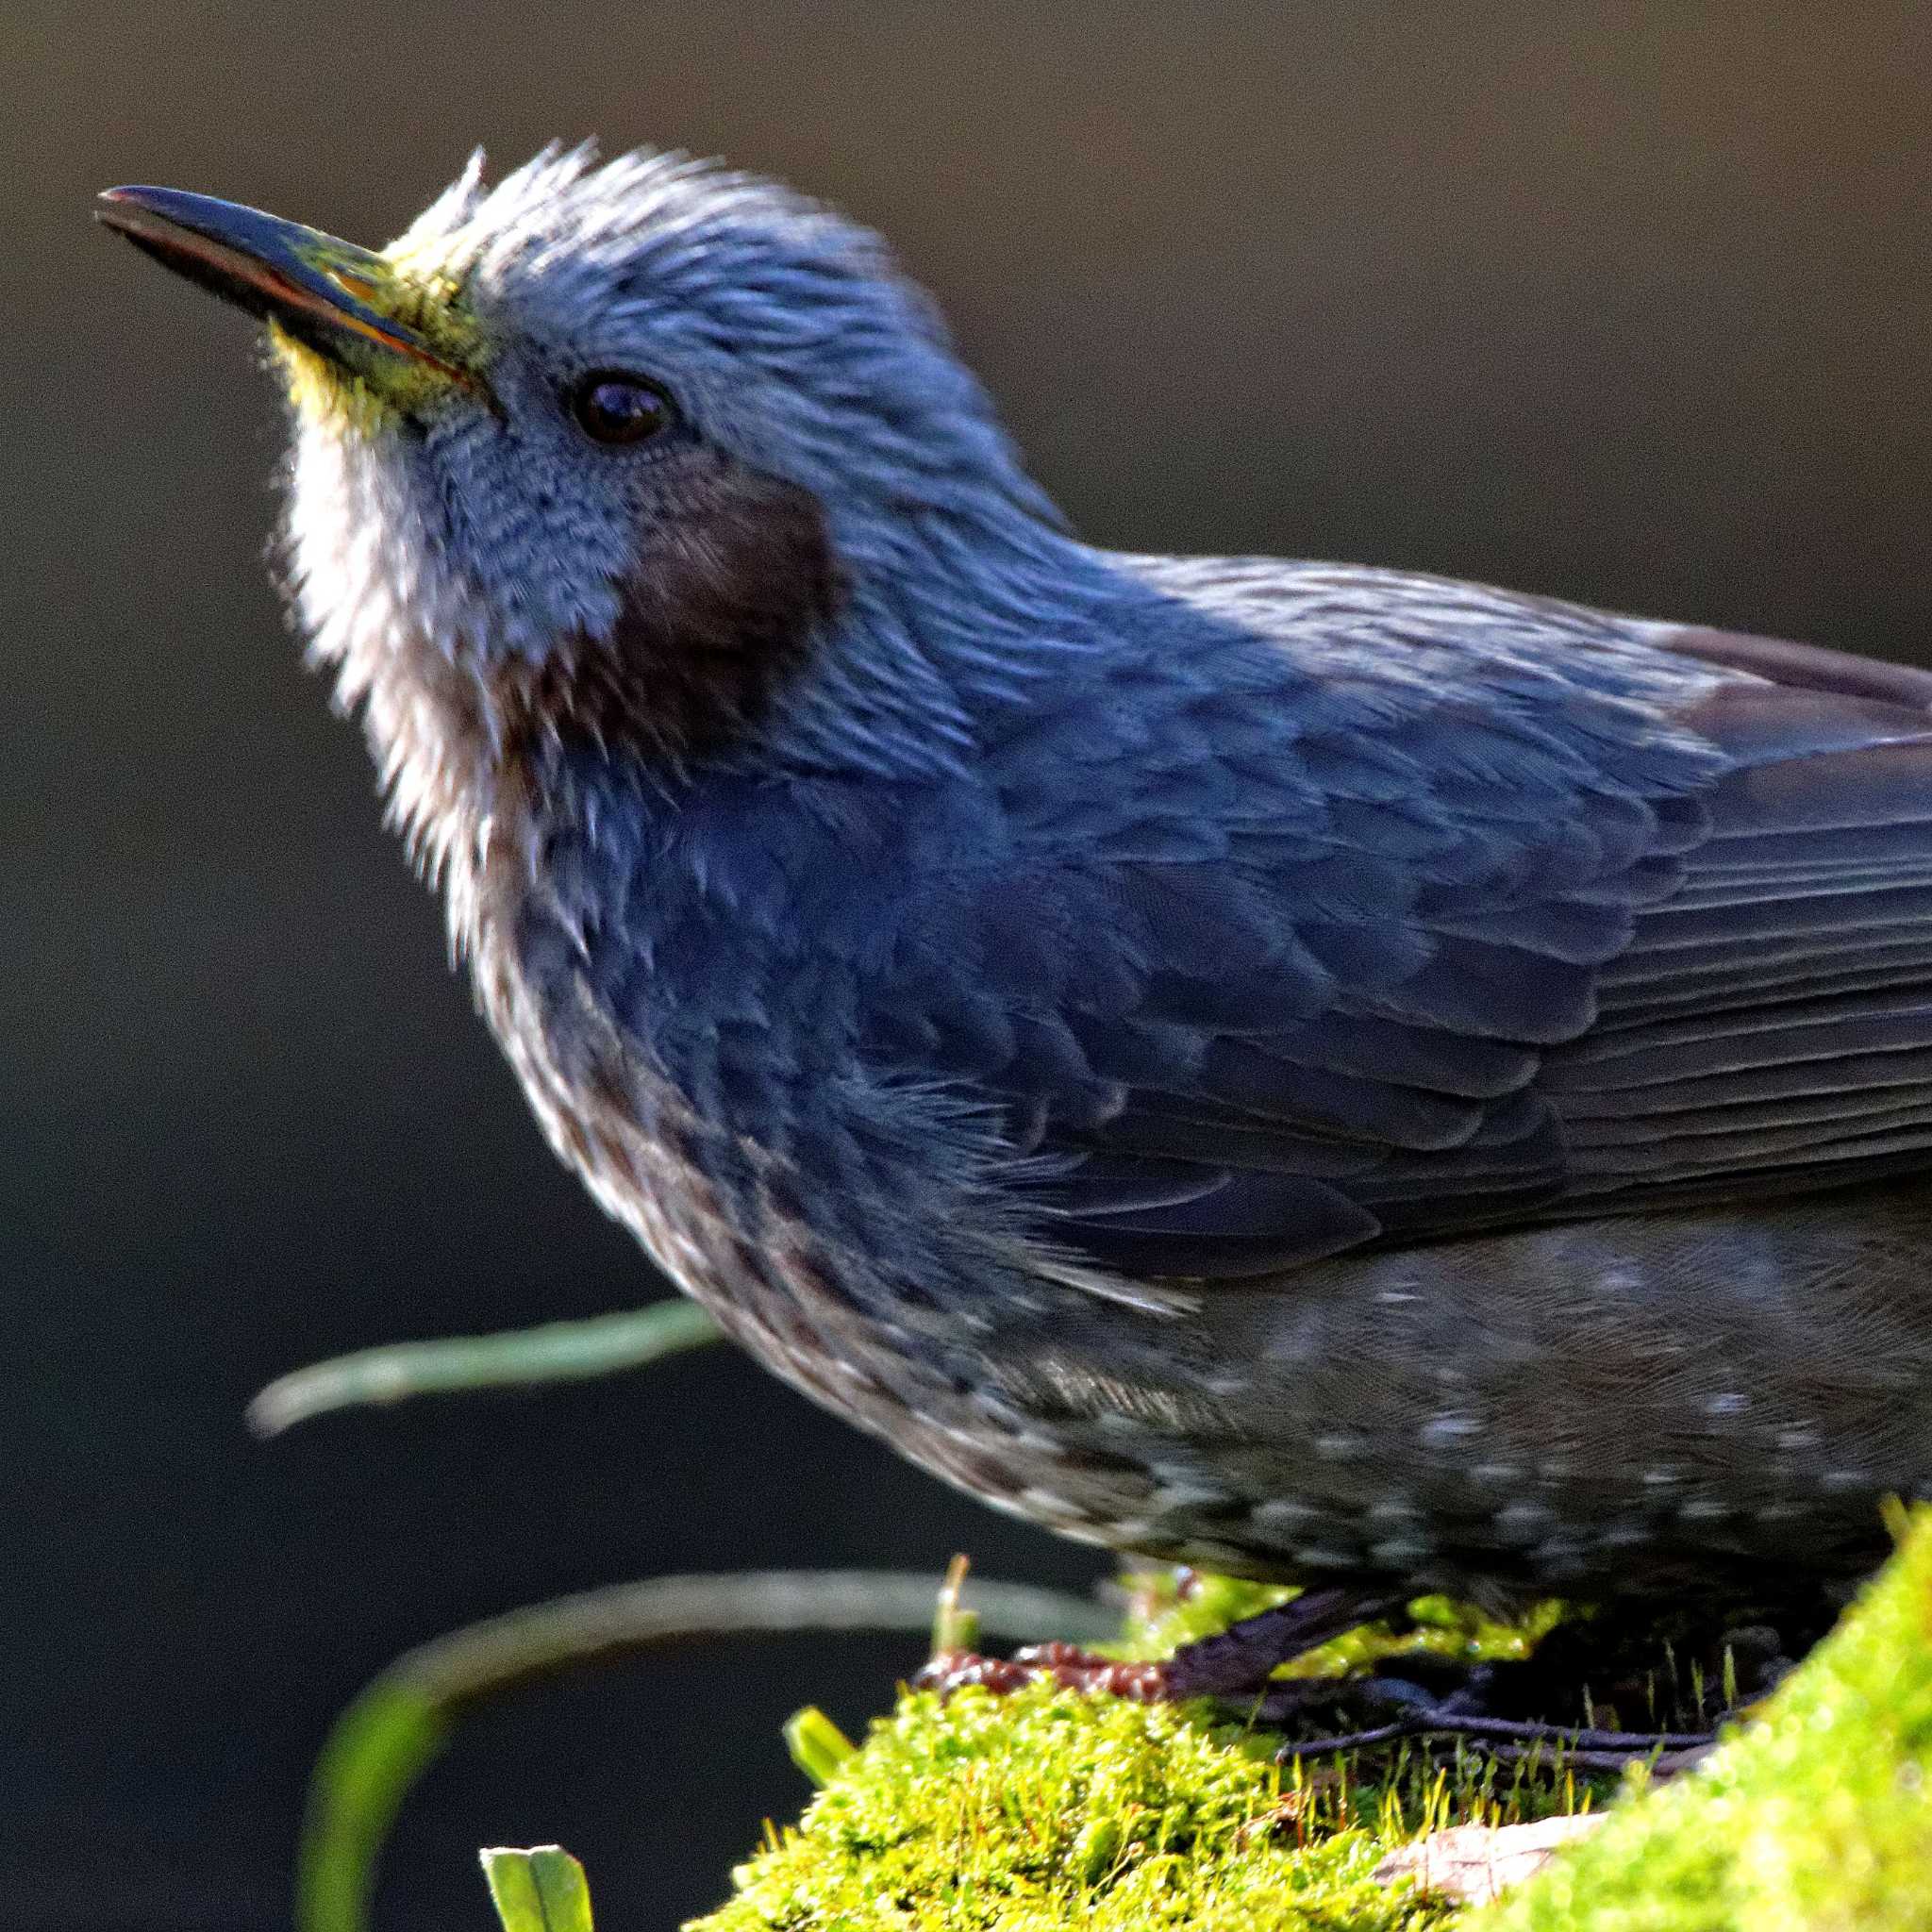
(1512, 969)
(1770, 1024)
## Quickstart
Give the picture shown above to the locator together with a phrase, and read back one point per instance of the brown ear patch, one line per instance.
(732, 588)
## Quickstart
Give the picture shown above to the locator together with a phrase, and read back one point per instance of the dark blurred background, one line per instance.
(1627, 303)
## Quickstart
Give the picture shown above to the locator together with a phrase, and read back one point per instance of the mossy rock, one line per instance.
(1816, 1819)
(1050, 1810)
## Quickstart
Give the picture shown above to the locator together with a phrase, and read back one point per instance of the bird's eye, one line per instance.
(611, 406)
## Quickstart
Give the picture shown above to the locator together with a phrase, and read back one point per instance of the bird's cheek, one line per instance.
(731, 593)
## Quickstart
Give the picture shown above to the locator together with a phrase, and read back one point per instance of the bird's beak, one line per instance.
(402, 338)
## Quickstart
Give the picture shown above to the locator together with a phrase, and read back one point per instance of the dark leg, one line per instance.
(1235, 1663)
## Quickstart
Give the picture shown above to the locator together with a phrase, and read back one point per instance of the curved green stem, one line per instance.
(556, 1352)
(398, 1724)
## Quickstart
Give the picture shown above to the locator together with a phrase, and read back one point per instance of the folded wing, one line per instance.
(1501, 975)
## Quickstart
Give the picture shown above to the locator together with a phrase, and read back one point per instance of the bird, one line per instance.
(1341, 1076)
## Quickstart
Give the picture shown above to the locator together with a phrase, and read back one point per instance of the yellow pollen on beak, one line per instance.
(437, 353)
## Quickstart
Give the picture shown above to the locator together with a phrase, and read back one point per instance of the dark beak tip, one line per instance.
(127, 195)
(110, 202)
(136, 210)
(136, 200)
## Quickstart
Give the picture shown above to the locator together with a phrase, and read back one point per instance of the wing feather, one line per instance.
(1510, 966)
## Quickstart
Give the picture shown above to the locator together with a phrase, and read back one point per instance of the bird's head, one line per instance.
(612, 450)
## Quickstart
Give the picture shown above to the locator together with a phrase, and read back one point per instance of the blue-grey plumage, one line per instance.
(1323, 1072)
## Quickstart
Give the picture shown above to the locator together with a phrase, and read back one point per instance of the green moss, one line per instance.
(1816, 1817)
(1048, 1809)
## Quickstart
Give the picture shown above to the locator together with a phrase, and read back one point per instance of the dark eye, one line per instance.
(611, 406)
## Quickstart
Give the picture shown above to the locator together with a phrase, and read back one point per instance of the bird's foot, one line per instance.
(1408, 1709)
(1235, 1662)
(1408, 1698)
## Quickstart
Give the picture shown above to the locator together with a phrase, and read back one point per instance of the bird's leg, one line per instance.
(1234, 1662)
(1241, 1659)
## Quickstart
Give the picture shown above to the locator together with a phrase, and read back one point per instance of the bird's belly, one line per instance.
(1622, 1406)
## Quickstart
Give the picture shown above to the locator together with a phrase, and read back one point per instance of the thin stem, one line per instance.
(556, 1352)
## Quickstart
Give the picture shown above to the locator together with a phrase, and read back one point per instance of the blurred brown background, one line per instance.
(1627, 303)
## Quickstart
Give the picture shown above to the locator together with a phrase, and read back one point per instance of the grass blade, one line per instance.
(542, 1890)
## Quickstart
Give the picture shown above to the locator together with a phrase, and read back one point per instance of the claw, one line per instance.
(1420, 1713)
